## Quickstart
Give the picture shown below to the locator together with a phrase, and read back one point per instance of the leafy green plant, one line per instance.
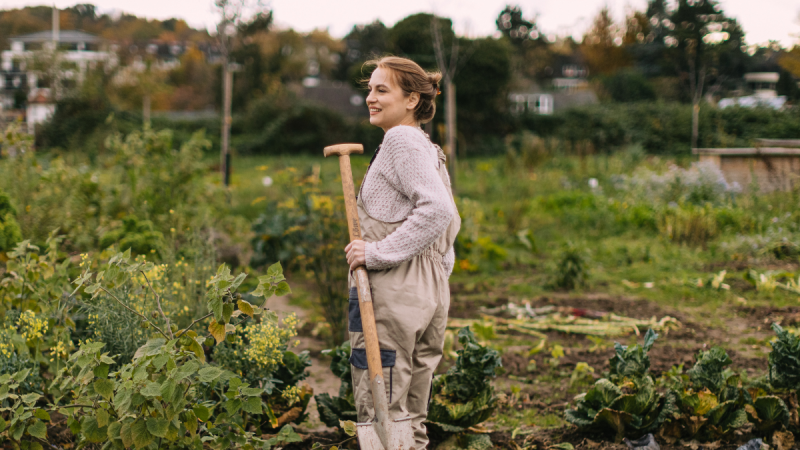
(20, 419)
(332, 410)
(768, 413)
(167, 387)
(572, 270)
(464, 396)
(155, 399)
(626, 403)
(711, 400)
(784, 360)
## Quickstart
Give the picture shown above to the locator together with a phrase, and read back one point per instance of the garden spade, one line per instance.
(384, 433)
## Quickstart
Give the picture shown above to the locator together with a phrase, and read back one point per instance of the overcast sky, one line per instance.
(763, 20)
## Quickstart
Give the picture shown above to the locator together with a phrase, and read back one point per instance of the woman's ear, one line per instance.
(413, 101)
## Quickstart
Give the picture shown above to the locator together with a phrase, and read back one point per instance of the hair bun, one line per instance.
(435, 78)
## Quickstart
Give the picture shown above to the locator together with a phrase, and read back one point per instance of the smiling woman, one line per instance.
(409, 222)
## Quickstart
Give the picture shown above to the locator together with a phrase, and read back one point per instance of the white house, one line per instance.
(765, 93)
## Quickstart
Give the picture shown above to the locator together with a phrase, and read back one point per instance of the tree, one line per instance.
(790, 61)
(706, 47)
(363, 42)
(412, 38)
(514, 27)
(602, 46)
(244, 16)
(447, 66)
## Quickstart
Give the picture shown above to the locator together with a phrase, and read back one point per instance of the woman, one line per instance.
(409, 222)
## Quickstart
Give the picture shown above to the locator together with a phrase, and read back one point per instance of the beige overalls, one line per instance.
(411, 303)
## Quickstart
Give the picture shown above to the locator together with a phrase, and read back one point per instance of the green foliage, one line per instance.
(142, 186)
(137, 235)
(625, 404)
(24, 421)
(768, 413)
(155, 399)
(784, 360)
(571, 270)
(259, 355)
(168, 374)
(628, 86)
(464, 396)
(308, 230)
(664, 128)
(333, 410)
(10, 233)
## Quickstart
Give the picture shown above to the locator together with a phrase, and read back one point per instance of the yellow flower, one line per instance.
(291, 395)
(30, 326)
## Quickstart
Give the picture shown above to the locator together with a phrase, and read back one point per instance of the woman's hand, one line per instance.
(356, 254)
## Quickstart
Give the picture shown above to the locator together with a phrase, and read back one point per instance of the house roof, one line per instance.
(68, 36)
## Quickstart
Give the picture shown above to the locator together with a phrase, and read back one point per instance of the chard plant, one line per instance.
(464, 396)
(776, 412)
(711, 399)
(626, 403)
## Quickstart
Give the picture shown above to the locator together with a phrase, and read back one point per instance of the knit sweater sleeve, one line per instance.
(418, 180)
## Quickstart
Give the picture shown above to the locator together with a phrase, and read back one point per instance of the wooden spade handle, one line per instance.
(362, 280)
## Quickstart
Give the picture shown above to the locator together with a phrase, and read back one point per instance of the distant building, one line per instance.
(335, 95)
(569, 89)
(27, 81)
(763, 85)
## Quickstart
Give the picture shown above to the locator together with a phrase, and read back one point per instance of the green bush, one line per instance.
(628, 86)
(138, 235)
(571, 270)
(664, 128)
(282, 125)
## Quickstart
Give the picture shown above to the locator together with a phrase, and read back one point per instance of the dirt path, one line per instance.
(320, 377)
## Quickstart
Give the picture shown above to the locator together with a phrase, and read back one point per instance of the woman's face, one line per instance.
(388, 104)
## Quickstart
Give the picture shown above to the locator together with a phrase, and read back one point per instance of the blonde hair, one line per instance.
(410, 77)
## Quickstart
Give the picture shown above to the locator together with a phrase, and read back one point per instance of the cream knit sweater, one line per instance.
(403, 183)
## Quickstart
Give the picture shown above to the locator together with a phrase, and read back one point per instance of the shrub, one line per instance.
(571, 271)
(137, 235)
(184, 398)
(628, 86)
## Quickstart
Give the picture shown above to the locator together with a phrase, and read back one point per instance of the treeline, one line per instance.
(657, 62)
